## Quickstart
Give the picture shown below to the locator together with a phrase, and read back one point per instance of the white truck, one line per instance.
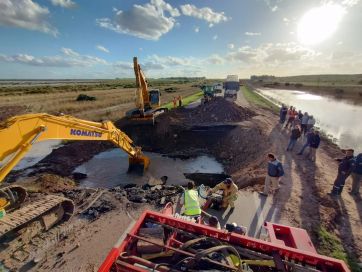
(231, 87)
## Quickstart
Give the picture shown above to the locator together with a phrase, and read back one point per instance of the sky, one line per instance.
(96, 39)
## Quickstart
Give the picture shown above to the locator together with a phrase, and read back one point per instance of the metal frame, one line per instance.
(291, 254)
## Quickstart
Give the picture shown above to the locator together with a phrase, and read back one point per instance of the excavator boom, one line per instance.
(143, 100)
(20, 132)
(148, 102)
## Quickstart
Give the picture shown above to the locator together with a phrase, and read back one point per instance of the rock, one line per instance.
(79, 176)
(146, 187)
(129, 185)
(153, 182)
(157, 187)
(163, 200)
(137, 199)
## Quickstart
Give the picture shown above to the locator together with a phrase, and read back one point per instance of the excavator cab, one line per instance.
(155, 98)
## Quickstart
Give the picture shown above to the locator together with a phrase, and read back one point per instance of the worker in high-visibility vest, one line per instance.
(190, 200)
(230, 192)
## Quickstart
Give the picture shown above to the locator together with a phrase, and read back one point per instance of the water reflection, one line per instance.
(337, 118)
(109, 169)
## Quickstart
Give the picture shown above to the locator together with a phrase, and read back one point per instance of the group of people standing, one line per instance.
(301, 124)
(177, 100)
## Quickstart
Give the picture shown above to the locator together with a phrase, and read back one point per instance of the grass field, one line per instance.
(186, 100)
(331, 245)
(324, 80)
(111, 103)
(253, 98)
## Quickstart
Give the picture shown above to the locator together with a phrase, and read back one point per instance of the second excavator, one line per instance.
(18, 134)
(148, 102)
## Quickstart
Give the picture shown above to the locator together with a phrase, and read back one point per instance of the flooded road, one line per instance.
(337, 118)
(109, 169)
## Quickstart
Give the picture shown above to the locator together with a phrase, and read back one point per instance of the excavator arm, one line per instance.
(18, 134)
(143, 100)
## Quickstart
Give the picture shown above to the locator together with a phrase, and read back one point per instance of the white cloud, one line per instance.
(270, 54)
(215, 59)
(350, 3)
(70, 58)
(215, 37)
(69, 52)
(231, 46)
(205, 13)
(273, 4)
(64, 3)
(286, 20)
(102, 48)
(144, 21)
(123, 65)
(252, 33)
(25, 14)
(197, 29)
(170, 60)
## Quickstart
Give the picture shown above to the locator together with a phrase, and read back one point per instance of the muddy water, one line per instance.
(38, 151)
(109, 169)
(338, 118)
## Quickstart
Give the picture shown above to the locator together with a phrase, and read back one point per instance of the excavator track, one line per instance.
(15, 194)
(49, 210)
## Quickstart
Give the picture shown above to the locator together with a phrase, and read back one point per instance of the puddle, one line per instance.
(38, 151)
(337, 118)
(109, 169)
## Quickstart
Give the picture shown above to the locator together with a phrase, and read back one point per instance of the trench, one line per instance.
(109, 169)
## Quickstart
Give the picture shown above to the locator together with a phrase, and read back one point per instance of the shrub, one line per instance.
(84, 97)
(298, 85)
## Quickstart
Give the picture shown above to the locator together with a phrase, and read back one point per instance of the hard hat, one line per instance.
(228, 181)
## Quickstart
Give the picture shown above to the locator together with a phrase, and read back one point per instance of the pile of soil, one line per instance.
(220, 110)
(49, 183)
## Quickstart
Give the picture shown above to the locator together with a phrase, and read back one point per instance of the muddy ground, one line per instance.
(238, 137)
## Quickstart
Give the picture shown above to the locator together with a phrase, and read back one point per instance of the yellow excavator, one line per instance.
(148, 102)
(19, 133)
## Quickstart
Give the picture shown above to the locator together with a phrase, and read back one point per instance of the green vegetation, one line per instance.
(186, 101)
(84, 97)
(331, 245)
(254, 98)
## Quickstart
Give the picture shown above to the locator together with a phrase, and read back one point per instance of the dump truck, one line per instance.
(231, 87)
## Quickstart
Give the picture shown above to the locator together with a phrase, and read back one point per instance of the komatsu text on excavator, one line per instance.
(18, 134)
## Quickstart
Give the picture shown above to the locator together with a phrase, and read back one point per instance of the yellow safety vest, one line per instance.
(192, 206)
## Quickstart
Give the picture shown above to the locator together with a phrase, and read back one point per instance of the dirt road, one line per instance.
(302, 200)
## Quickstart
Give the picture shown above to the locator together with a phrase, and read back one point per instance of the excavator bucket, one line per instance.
(138, 164)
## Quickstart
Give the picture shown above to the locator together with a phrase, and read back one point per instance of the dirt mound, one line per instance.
(217, 110)
(220, 110)
(48, 183)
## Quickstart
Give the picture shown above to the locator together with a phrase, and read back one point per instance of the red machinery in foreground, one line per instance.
(162, 242)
